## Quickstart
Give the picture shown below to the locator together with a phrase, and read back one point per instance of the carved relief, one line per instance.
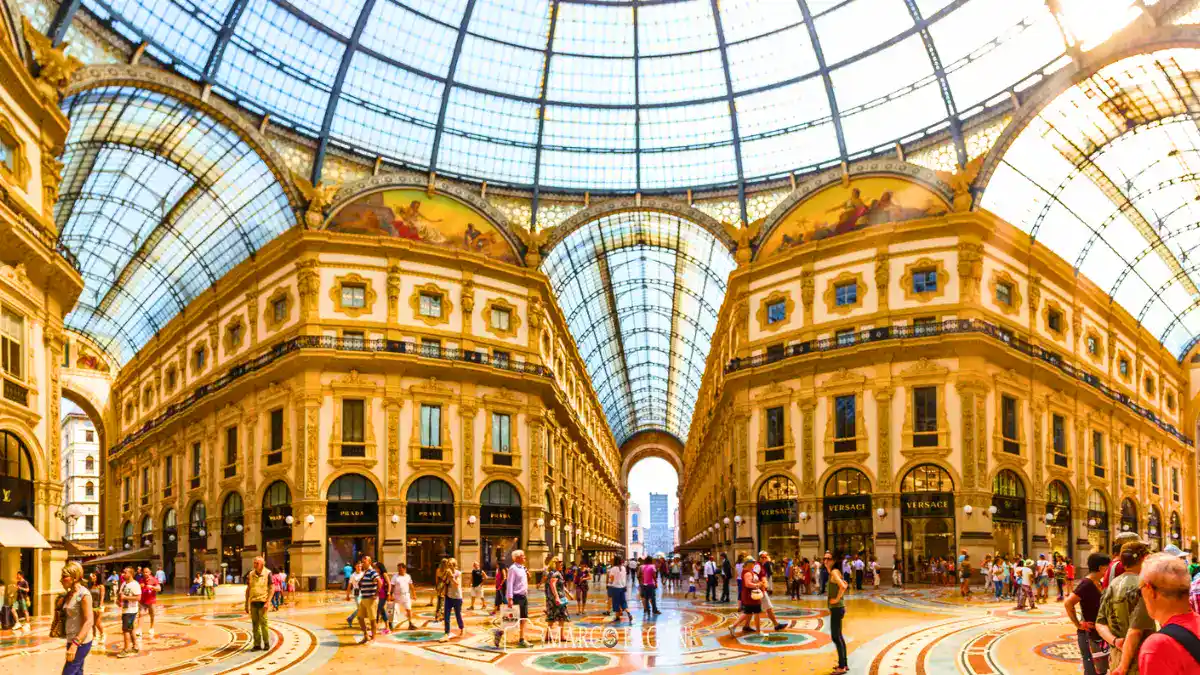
(51, 179)
(308, 283)
(1038, 445)
(808, 412)
(883, 277)
(970, 270)
(393, 293)
(55, 66)
(883, 413)
(393, 451)
(467, 415)
(312, 430)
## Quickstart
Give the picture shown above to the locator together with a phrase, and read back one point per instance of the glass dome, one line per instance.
(608, 95)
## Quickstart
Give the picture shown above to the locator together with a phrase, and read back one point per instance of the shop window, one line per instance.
(845, 294)
(775, 433)
(776, 311)
(431, 305)
(354, 296)
(925, 281)
(275, 456)
(1004, 293)
(844, 426)
(354, 427)
(925, 417)
(1058, 432)
(1129, 472)
(431, 431)
(1154, 484)
(12, 332)
(1008, 425)
(1098, 454)
(231, 451)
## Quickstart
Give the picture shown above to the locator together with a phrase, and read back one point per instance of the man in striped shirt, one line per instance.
(368, 594)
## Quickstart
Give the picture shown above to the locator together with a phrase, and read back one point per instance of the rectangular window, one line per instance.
(1093, 345)
(171, 380)
(845, 294)
(502, 434)
(1098, 454)
(635, 519)
(231, 451)
(145, 485)
(843, 424)
(199, 357)
(353, 339)
(89, 523)
(925, 421)
(66, 362)
(1174, 484)
(89, 490)
(235, 334)
(776, 311)
(354, 417)
(1129, 471)
(501, 319)
(924, 281)
(275, 443)
(1154, 485)
(125, 493)
(8, 154)
(12, 332)
(169, 470)
(1058, 431)
(925, 325)
(354, 296)
(1123, 367)
(1054, 320)
(775, 428)
(279, 310)
(844, 337)
(431, 348)
(1004, 293)
(431, 426)
(89, 436)
(431, 305)
(195, 480)
(1008, 425)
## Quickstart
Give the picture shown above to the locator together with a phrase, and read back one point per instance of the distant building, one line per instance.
(81, 478)
(660, 537)
(635, 544)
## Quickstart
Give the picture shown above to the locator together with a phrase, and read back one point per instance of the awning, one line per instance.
(20, 533)
(144, 553)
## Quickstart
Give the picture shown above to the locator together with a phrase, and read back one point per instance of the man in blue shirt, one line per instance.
(347, 570)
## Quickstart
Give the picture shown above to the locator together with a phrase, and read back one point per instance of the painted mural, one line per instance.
(852, 205)
(412, 214)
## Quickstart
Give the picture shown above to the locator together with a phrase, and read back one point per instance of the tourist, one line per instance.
(764, 565)
(617, 590)
(1193, 567)
(21, 608)
(858, 567)
(648, 580)
(631, 568)
(401, 595)
(453, 590)
(439, 588)
(796, 578)
(985, 571)
(1093, 651)
(1069, 576)
(161, 577)
(874, 564)
(352, 593)
(558, 597)
(1018, 570)
(710, 579)
(1122, 620)
(691, 591)
(823, 575)
(258, 592)
(276, 590)
(897, 571)
(381, 601)
(847, 568)
(197, 584)
(517, 589)
(1042, 571)
(291, 586)
(674, 575)
(478, 576)
(348, 571)
(1175, 649)
(149, 603)
(501, 577)
(131, 596)
(750, 595)
(836, 595)
(210, 584)
(582, 577)
(368, 592)
(78, 618)
(726, 573)
(964, 574)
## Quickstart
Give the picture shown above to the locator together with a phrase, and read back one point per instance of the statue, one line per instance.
(960, 183)
(55, 67)
(319, 197)
(534, 241)
(742, 237)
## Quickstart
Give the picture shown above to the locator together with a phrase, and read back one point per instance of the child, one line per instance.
(691, 586)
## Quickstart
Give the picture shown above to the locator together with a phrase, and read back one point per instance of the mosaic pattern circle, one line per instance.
(417, 636)
(162, 642)
(570, 662)
(775, 639)
(1066, 650)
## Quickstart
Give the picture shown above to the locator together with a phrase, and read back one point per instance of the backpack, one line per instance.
(1185, 638)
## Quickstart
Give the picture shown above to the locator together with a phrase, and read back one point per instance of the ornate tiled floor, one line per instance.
(918, 632)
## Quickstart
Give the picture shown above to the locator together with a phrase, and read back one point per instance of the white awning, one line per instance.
(20, 533)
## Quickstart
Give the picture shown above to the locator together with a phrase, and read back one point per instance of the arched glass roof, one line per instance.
(611, 95)
(641, 291)
(1106, 177)
(158, 201)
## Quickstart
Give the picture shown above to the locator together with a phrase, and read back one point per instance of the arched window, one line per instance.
(777, 488)
(169, 521)
(147, 525)
(232, 508)
(430, 490)
(127, 530)
(846, 483)
(354, 488)
(14, 457)
(89, 489)
(277, 495)
(89, 464)
(1176, 528)
(199, 514)
(1058, 494)
(1129, 515)
(1008, 484)
(927, 478)
(1097, 502)
(500, 493)
(1154, 527)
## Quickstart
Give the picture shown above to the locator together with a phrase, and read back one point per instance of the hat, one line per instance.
(1029, 562)
(762, 554)
(1174, 550)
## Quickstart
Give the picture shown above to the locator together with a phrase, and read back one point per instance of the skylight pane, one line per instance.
(882, 74)
(590, 128)
(594, 30)
(521, 22)
(576, 79)
(688, 77)
(771, 59)
(391, 20)
(860, 25)
(500, 67)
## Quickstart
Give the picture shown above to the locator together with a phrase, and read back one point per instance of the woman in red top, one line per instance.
(751, 606)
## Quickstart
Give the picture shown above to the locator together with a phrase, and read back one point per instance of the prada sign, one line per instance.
(848, 508)
(927, 505)
(430, 514)
(352, 513)
(275, 518)
(500, 516)
(779, 511)
(16, 498)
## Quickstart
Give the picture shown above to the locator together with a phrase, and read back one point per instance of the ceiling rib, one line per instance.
(825, 77)
(541, 122)
(956, 131)
(733, 122)
(213, 65)
(448, 87)
(336, 92)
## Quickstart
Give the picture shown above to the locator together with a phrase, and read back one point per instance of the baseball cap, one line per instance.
(1174, 550)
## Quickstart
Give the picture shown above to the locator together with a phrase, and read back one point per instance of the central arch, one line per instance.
(650, 444)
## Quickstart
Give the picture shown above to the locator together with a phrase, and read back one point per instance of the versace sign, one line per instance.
(927, 505)
(848, 508)
(779, 511)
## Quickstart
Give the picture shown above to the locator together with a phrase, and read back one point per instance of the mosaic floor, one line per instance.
(916, 632)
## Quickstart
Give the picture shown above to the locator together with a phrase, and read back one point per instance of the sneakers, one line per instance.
(780, 626)
(125, 654)
(524, 645)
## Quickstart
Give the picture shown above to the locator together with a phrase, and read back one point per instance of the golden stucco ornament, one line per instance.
(319, 197)
(742, 236)
(960, 183)
(55, 66)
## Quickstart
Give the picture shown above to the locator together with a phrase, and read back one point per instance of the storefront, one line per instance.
(430, 526)
(927, 517)
(499, 524)
(197, 540)
(233, 539)
(1154, 530)
(847, 510)
(18, 537)
(351, 525)
(1058, 519)
(1129, 516)
(1009, 515)
(277, 526)
(778, 513)
(1097, 521)
(170, 545)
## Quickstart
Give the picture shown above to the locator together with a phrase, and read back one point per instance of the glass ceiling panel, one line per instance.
(1105, 177)
(641, 291)
(619, 59)
(158, 201)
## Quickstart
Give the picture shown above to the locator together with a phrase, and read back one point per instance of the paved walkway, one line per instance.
(917, 632)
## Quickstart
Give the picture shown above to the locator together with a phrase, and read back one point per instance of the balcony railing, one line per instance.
(16, 393)
(303, 342)
(953, 327)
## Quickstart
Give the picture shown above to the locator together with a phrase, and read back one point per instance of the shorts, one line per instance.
(151, 610)
(128, 621)
(475, 592)
(368, 608)
(754, 608)
(403, 601)
(1043, 582)
(522, 603)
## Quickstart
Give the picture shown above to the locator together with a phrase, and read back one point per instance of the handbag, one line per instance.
(756, 594)
(58, 627)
